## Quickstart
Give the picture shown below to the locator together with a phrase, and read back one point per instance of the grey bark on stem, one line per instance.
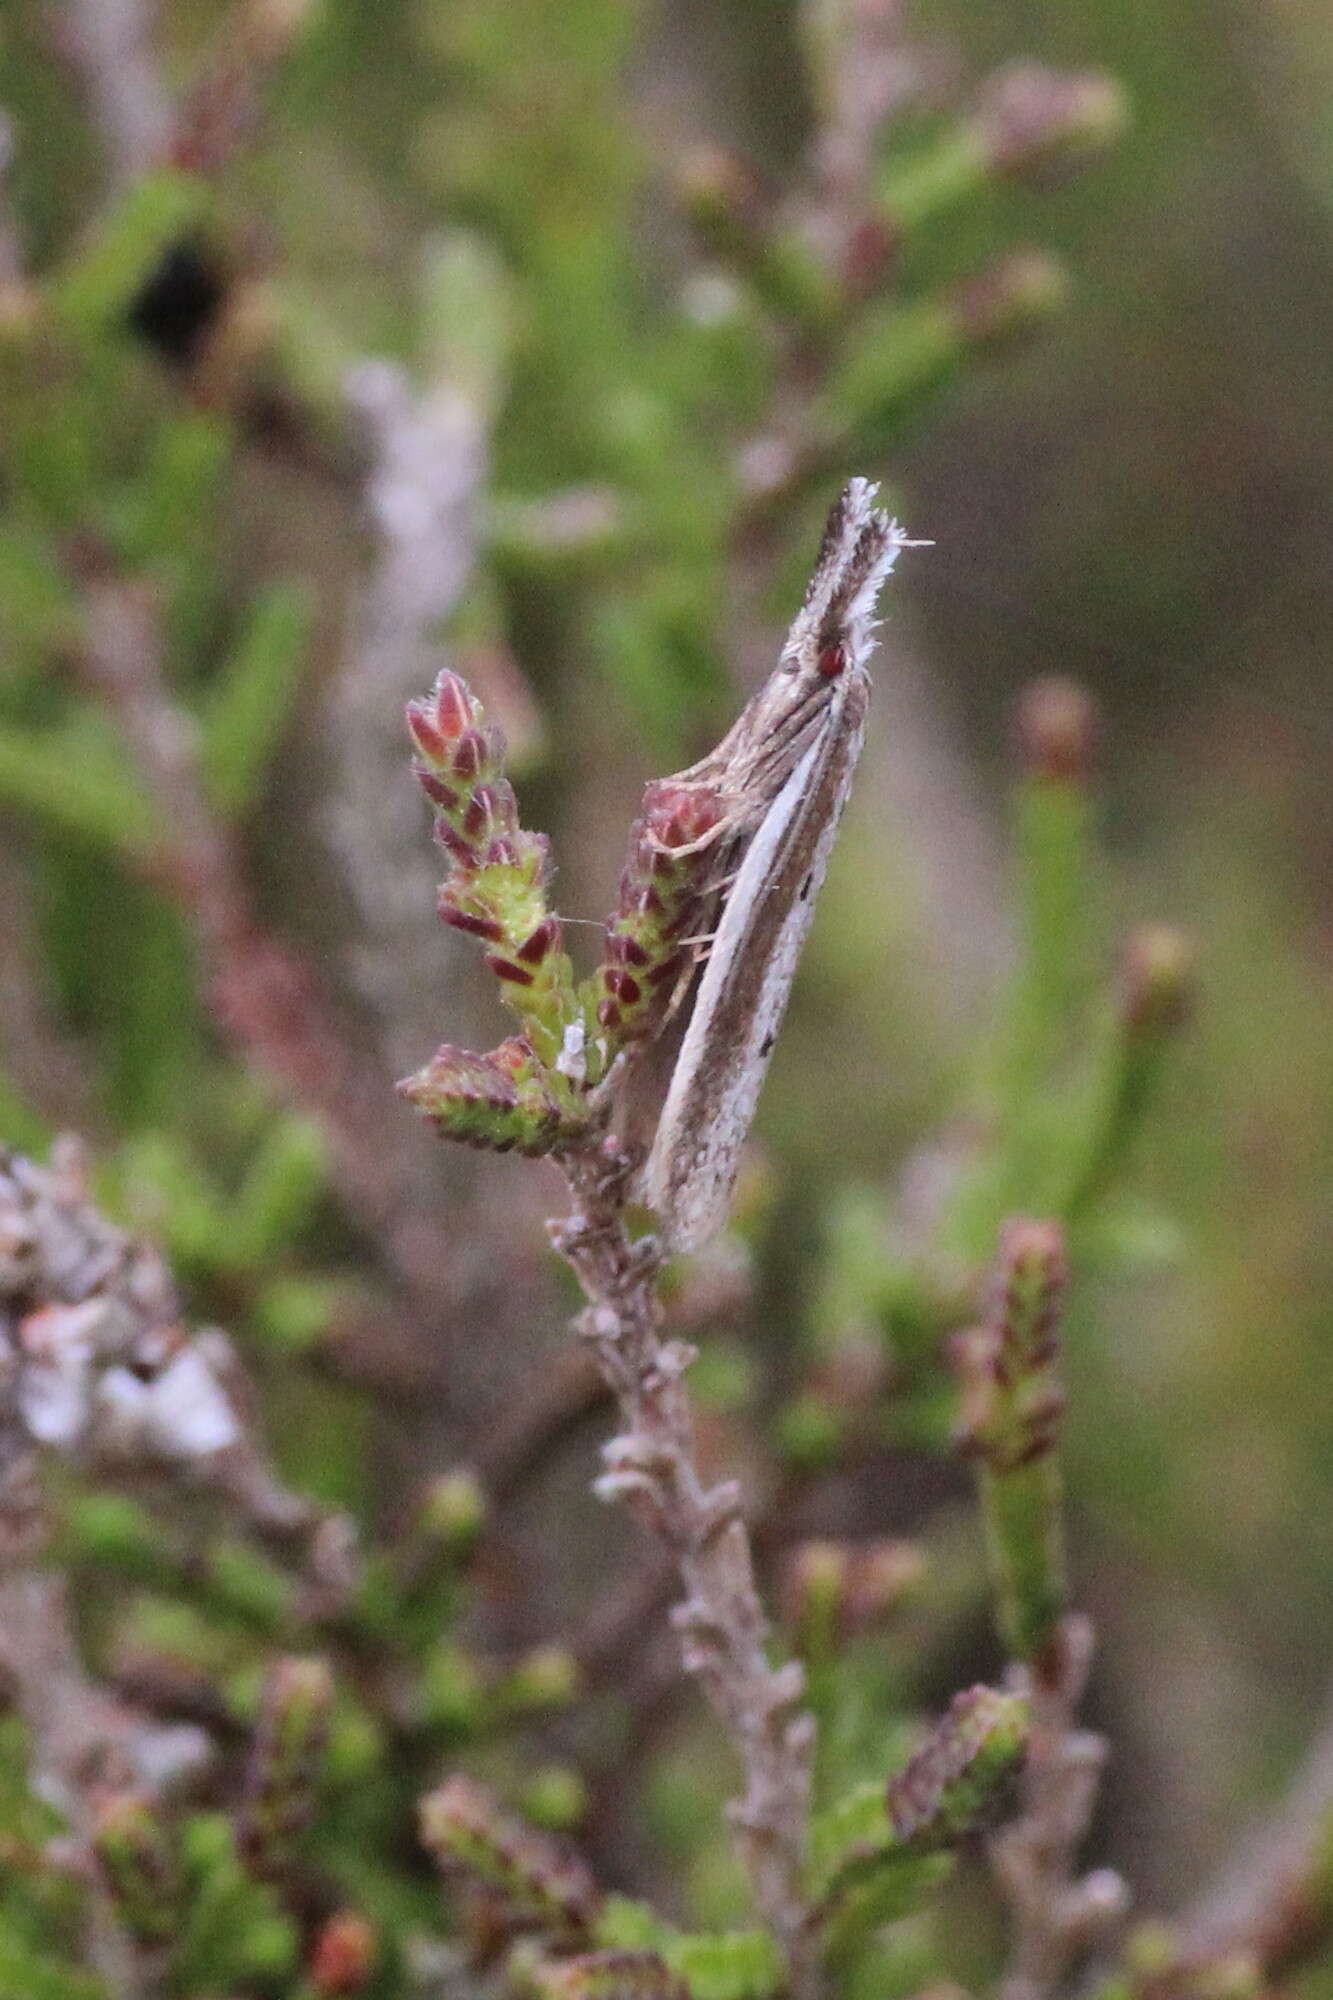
(1056, 1914)
(652, 1468)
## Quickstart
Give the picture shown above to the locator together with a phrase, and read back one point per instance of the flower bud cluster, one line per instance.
(834, 1591)
(1011, 1399)
(501, 1100)
(286, 1761)
(1009, 1424)
(496, 886)
(959, 1779)
(1033, 120)
(343, 1956)
(537, 1884)
(664, 895)
(134, 1853)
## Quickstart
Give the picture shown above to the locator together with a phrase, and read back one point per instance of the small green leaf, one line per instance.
(282, 1187)
(857, 1822)
(728, 1965)
(862, 1874)
(536, 1881)
(254, 697)
(21, 1126)
(110, 266)
(295, 1313)
(468, 317)
(76, 780)
(172, 502)
(37, 610)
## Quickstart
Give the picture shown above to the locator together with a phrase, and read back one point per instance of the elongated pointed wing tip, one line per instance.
(860, 547)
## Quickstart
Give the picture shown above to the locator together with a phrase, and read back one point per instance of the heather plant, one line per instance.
(336, 385)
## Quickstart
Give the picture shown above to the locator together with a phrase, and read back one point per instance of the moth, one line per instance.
(787, 766)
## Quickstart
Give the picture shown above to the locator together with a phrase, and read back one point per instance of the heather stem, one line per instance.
(1056, 1914)
(652, 1467)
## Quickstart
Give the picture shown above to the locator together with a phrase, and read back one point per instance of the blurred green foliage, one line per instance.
(468, 189)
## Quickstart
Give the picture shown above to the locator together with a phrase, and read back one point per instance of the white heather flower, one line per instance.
(182, 1413)
(58, 1345)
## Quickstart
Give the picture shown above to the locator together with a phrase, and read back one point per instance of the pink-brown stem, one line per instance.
(651, 1466)
(1056, 1914)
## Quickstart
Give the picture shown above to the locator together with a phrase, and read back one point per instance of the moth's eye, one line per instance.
(832, 661)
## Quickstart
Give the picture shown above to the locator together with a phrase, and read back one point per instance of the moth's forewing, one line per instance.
(743, 992)
(784, 770)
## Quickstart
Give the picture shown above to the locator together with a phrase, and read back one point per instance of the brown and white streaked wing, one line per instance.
(744, 989)
(788, 761)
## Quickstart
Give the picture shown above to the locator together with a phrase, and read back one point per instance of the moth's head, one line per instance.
(831, 633)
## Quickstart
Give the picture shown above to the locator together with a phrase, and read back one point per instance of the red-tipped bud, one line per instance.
(1017, 292)
(286, 1759)
(343, 1957)
(621, 985)
(498, 1101)
(676, 816)
(479, 815)
(445, 715)
(1057, 729)
(507, 969)
(494, 888)
(540, 942)
(455, 709)
(622, 949)
(1156, 979)
(1009, 1417)
(430, 742)
(1030, 1278)
(722, 195)
(1033, 119)
(470, 921)
(441, 795)
(469, 759)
